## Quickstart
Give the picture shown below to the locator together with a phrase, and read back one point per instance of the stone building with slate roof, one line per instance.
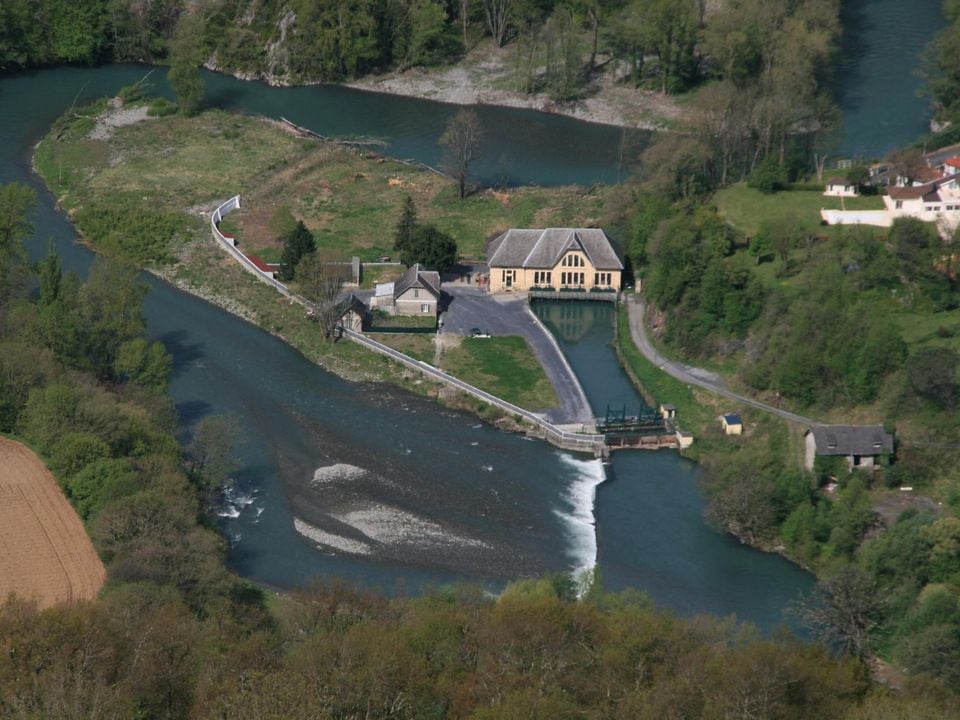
(861, 445)
(417, 292)
(553, 259)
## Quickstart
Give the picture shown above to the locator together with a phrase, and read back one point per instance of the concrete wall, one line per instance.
(876, 218)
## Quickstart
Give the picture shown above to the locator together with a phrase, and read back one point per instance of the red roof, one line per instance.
(953, 162)
(261, 264)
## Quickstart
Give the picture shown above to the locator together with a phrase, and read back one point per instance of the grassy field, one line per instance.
(503, 366)
(350, 199)
(747, 209)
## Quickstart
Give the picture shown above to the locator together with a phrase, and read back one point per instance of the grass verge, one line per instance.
(503, 366)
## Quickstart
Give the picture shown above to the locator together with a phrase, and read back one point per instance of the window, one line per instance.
(424, 307)
(602, 279)
(416, 292)
(899, 204)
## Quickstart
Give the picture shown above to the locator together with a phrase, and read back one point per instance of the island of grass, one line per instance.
(140, 188)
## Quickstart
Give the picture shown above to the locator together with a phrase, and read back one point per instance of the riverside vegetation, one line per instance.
(849, 325)
(752, 59)
(175, 635)
(712, 291)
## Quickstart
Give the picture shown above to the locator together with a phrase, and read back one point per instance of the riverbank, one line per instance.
(486, 76)
(100, 167)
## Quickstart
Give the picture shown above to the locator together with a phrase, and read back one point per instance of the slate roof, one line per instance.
(543, 248)
(851, 440)
(732, 420)
(416, 276)
(352, 302)
(839, 181)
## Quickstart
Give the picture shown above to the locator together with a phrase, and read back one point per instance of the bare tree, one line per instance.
(498, 19)
(843, 611)
(320, 280)
(461, 144)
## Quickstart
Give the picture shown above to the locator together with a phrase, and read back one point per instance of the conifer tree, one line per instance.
(406, 226)
(298, 243)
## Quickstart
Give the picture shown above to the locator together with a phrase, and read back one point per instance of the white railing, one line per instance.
(573, 441)
(230, 245)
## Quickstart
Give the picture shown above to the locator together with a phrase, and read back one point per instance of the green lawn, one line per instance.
(419, 346)
(503, 366)
(747, 209)
(380, 319)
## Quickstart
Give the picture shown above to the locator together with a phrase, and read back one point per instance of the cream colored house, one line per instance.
(553, 259)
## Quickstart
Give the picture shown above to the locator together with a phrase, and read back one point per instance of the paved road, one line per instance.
(501, 315)
(692, 375)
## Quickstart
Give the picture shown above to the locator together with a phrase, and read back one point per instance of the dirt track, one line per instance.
(45, 553)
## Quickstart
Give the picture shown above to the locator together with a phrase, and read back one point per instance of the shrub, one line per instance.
(161, 107)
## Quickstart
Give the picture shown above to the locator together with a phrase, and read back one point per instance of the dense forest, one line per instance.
(175, 635)
(663, 44)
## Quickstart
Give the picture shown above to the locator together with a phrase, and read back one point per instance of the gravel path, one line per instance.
(694, 375)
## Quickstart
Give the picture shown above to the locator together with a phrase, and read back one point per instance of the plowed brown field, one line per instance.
(45, 553)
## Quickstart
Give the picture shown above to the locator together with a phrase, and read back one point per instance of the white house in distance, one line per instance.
(417, 292)
(841, 187)
(932, 195)
(861, 445)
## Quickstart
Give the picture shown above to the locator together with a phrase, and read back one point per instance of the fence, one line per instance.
(570, 441)
(582, 442)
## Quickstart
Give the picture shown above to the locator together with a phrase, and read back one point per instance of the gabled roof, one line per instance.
(851, 440)
(839, 181)
(352, 302)
(417, 277)
(953, 162)
(928, 192)
(543, 248)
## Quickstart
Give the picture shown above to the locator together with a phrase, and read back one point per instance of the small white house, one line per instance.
(841, 187)
(732, 424)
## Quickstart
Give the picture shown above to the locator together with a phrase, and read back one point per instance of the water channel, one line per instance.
(485, 506)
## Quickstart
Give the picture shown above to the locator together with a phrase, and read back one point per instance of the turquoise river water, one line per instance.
(327, 465)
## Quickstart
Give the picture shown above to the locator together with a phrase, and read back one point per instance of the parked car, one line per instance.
(478, 333)
(385, 258)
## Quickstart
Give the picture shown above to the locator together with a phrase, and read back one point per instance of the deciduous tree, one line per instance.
(461, 144)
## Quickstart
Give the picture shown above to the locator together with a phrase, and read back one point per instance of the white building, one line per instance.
(841, 187)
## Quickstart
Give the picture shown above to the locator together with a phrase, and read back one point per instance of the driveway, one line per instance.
(694, 375)
(470, 307)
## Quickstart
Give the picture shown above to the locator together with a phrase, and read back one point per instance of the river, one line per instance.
(878, 80)
(482, 505)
